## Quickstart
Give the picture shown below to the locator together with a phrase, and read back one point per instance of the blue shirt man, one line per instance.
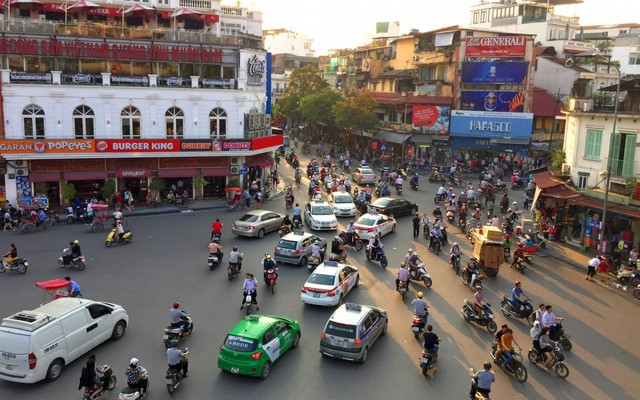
(74, 288)
(517, 296)
(296, 210)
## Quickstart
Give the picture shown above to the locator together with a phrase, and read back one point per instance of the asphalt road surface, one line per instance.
(167, 262)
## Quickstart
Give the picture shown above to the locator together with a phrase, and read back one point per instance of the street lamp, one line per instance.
(603, 223)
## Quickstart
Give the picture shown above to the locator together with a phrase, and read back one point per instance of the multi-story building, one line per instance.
(620, 41)
(149, 90)
(283, 41)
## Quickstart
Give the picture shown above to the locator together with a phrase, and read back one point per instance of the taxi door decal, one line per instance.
(273, 349)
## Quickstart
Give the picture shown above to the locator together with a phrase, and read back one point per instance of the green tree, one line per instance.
(68, 190)
(108, 190)
(302, 82)
(558, 157)
(317, 107)
(355, 112)
(157, 185)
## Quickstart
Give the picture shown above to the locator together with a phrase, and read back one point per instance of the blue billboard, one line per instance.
(492, 101)
(494, 72)
(491, 125)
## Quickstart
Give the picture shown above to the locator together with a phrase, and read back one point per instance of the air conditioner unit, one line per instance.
(235, 170)
(234, 161)
(42, 18)
(19, 163)
(566, 168)
(22, 172)
(415, 58)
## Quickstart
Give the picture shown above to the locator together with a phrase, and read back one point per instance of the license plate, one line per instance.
(316, 295)
(9, 367)
(425, 360)
(341, 343)
(415, 329)
(235, 370)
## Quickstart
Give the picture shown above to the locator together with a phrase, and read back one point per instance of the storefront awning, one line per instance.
(392, 137)
(177, 173)
(265, 164)
(597, 204)
(216, 171)
(420, 139)
(44, 176)
(85, 175)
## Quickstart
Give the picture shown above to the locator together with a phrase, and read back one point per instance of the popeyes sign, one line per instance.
(497, 46)
(46, 146)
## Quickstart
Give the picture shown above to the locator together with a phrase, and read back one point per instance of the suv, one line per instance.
(295, 247)
(352, 330)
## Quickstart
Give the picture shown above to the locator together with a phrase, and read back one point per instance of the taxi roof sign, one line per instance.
(353, 306)
(330, 263)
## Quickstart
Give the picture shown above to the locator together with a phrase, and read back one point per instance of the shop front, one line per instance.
(134, 179)
(45, 184)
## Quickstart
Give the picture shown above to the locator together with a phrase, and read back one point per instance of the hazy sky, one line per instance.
(335, 24)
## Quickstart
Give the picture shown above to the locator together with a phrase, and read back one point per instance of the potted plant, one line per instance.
(198, 183)
(68, 191)
(108, 190)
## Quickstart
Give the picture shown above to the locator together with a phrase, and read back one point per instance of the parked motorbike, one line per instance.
(125, 238)
(174, 376)
(108, 380)
(626, 276)
(557, 364)
(417, 326)
(428, 361)
(130, 393)
(420, 274)
(214, 260)
(20, 265)
(378, 255)
(76, 262)
(514, 367)
(234, 268)
(171, 332)
(507, 307)
(561, 337)
(355, 241)
(272, 278)
(485, 320)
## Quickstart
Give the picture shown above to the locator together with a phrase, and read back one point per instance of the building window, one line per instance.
(174, 122)
(218, 122)
(130, 117)
(594, 142)
(83, 122)
(582, 180)
(33, 122)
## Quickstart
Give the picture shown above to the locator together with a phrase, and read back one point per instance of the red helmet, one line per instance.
(507, 236)
(520, 244)
(176, 305)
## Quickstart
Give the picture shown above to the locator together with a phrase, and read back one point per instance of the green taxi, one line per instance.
(253, 345)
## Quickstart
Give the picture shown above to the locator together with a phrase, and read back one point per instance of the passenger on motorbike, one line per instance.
(250, 287)
(435, 234)
(89, 379)
(455, 252)
(518, 254)
(178, 318)
(506, 242)
(315, 250)
(337, 247)
(546, 347)
(477, 214)
(535, 333)
(298, 175)
(374, 245)
(496, 341)
(402, 275)
(137, 376)
(411, 258)
(437, 213)
(215, 248)
(176, 358)
(11, 255)
(399, 182)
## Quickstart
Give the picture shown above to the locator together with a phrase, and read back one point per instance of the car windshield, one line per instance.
(341, 330)
(366, 171)
(239, 343)
(286, 244)
(381, 202)
(249, 218)
(321, 210)
(321, 279)
(366, 221)
(342, 199)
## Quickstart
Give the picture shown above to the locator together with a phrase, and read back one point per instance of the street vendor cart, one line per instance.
(488, 249)
(57, 288)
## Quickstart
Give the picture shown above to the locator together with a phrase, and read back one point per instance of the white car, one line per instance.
(371, 223)
(319, 216)
(342, 204)
(364, 175)
(329, 284)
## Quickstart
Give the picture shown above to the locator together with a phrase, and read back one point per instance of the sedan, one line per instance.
(371, 223)
(363, 175)
(256, 223)
(319, 216)
(342, 204)
(394, 207)
(329, 284)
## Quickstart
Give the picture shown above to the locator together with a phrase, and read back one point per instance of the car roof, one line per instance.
(296, 237)
(372, 215)
(260, 212)
(318, 203)
(254, 326)
(344, 315)
(325, 269)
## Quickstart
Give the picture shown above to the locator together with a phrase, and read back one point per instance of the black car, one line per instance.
(394, 207)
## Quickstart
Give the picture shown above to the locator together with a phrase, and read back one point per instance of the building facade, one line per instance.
(283, 41)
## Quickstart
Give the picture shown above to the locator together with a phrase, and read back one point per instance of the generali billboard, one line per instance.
(498, 46)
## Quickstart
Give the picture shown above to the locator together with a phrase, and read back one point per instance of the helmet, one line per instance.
(403, 264)
(514, 203)
(518, 283)
(520, 244)
(337, 238)
(450, 187)
(487, 366)
(76, 242)
(478, 209)
(473, 259)
(351, 222)
(268, 256)
(507, 236)
(235, 248)
(437, 207)
(420, 295)
(455, 244)
(176, 305)
(453, 195)
(316, 242)
(410, 250)
(134, 361)
(173, 343)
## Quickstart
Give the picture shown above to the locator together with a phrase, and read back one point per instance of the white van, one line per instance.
(37, 344)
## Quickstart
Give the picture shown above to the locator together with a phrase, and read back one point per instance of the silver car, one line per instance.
(352, 330)
(256, 223)
(363, 175)
(295, 247)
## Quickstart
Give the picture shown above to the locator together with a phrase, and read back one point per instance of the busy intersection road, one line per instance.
(167, 262)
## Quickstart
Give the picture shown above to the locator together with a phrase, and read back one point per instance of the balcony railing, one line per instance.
(526, 19)
(624, 168)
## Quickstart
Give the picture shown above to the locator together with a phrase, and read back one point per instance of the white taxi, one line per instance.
(342, 204)
(371, 223)
(319, 216)
(329, 284)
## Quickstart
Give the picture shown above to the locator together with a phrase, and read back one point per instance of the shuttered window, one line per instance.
(594, 142)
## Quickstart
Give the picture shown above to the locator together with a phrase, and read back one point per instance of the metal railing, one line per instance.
(624, 168)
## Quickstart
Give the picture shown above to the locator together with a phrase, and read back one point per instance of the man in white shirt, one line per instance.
(549, 320)
(591, 267)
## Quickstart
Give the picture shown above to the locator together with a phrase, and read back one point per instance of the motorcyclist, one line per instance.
(435, 234)
(316, 250)
(337, 247)
(518, 254)
(89, 379)
(350, 231)
(267, 264)
(545, 346)
(462, 216)
(75, 252)
(137, 376)
(74, 289)
(289, 195)
(250, 287)
(442, 192)
(286, 224)
(178, 318)
(482, 381)
(415, 179)
(506, 344)
(420, 307)
(11, 255)
(518, 297)
(216, 249)
(455, 252)
(298, 175)
(412, 259)
(402, 275)
(471, 269)
(118, 231)
(437, 213)
(216, 229)
(297, 212)
(476, 214)
(399, 182)
(479, 302)
(506, 242)
(431, 341)
(177, 359)
(504, 203)
(234, 258)
(374, 245)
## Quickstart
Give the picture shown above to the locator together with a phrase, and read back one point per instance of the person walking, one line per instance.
(416, 225)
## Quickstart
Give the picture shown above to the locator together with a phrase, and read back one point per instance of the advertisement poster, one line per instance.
(497, 46)
(494, 72)
(431, 119)
(491, 125)
(493, 101)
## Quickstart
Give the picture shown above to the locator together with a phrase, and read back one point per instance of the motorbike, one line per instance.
(420, 274)
(436, 178)
(455, 180)
(514, 367)
(106, 377)
(297, 222)
(626, 276)
(414, 185)
(403, 289)
(636, 292)
(378, 255)
(289, 202)
(76, 262)
(355, 242)
(125, 238)
(500, 187)
(462, 225)
(428, 361)
(234, 268)
(485, 320)
(213, 260)
(426, 231)
(507, 253)
(312, 263)
(558, 365)
(20, 265)
(436, 245)
(248, 303)
(439, 198)
(451, 215)
(519, 184)
(285, 230)
(472, 282)
(216, 238)
(130, 393)
(174, 376)
(561, 337)
(507, 307)
(171, 332)
(474, 382)
(519, 265)
(417, 326)
(76, 214)
(272, 278)
(455, 263)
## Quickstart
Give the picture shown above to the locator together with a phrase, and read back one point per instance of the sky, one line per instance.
(338, 24)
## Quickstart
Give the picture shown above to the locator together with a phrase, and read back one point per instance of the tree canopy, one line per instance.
(317, 107)
(356, 111)
(302, 82)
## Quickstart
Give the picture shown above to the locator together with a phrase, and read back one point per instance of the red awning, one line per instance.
(584, 201)
(177, 173)
(216, 171)
(544, 180)
(265, 164)
(559, 192)
(133, 173)
(106, 11)
(545, 105)
(44, 176)
(85, 175)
